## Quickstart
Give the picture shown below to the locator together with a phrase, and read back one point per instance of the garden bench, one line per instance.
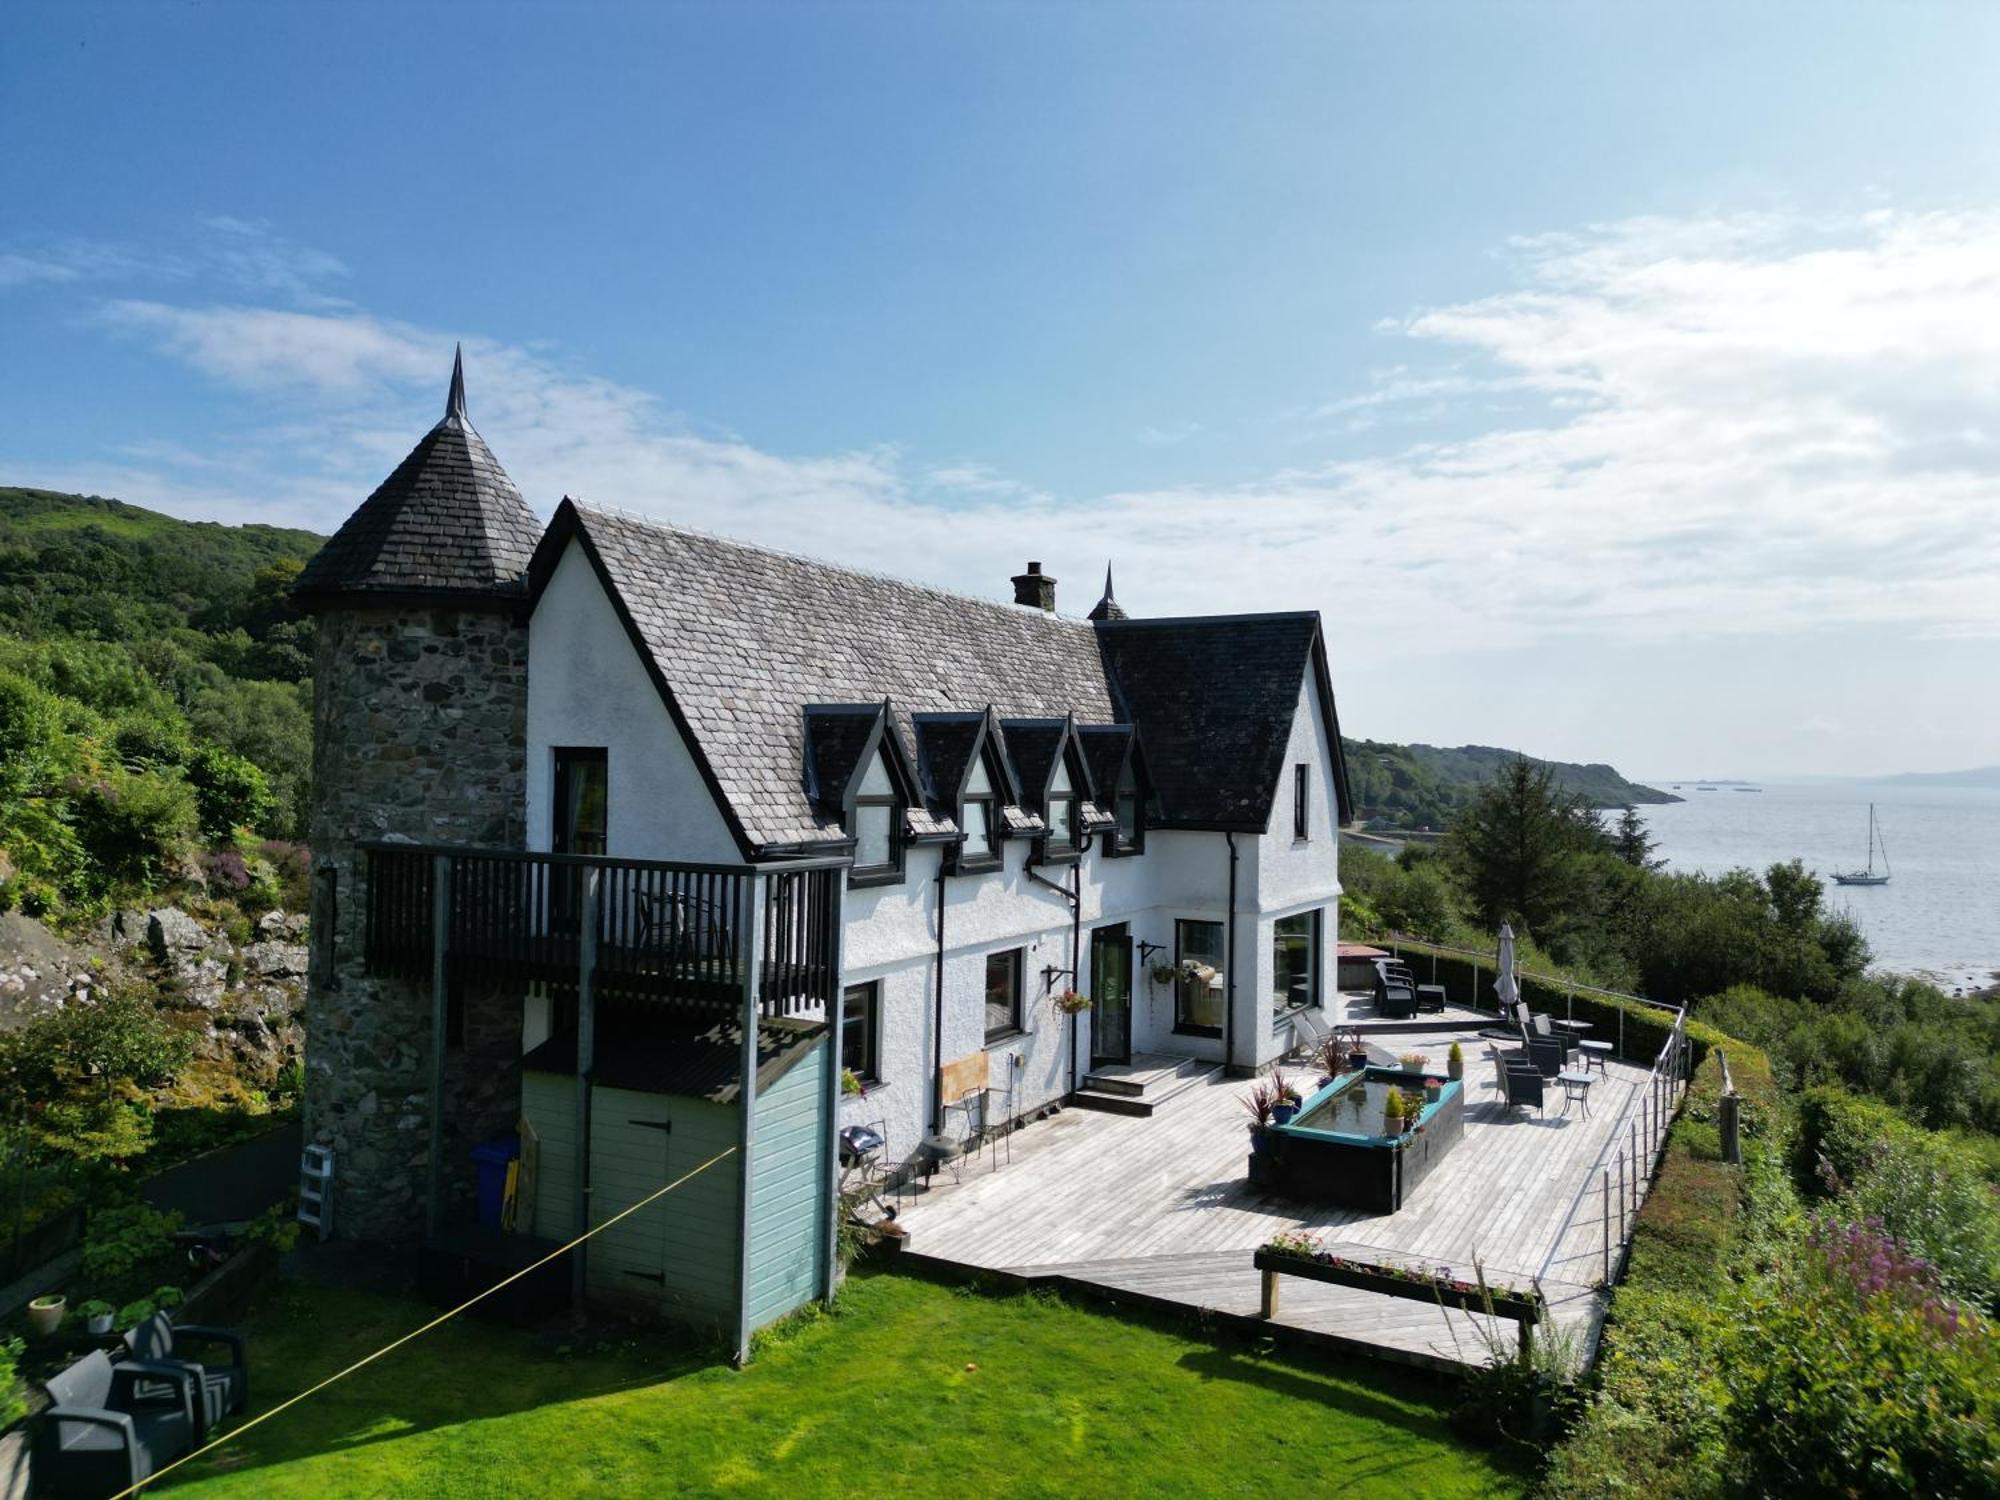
(113, 1425)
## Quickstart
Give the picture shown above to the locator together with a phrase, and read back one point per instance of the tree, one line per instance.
(1632, 843)
(1520, 847)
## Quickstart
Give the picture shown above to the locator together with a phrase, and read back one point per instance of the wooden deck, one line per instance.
(1160, 1211)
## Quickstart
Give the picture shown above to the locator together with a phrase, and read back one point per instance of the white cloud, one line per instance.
(1673, 428)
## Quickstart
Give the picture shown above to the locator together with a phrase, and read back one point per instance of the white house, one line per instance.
(1033, 803)
(629, 841)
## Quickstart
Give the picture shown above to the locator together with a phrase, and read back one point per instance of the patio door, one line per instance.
(1111, 994)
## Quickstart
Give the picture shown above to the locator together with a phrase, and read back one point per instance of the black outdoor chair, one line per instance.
(1520, 1083)
(225, 1388)
(113, 1425)
(1394, 1000)
(1568, 1042)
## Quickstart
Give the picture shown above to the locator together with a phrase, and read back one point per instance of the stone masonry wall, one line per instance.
(419, 732)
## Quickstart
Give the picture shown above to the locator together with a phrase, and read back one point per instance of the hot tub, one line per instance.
(1336, 1149)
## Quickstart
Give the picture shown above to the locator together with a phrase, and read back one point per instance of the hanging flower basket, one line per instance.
(1070, 1003)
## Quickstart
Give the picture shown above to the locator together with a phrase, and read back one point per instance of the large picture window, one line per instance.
(1295, 961)
(1003, 994)
(1198, 997)
(861, 1030)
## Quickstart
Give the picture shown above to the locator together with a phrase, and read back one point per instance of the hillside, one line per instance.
(197, 611)
(1422, 786)
(1985, 776)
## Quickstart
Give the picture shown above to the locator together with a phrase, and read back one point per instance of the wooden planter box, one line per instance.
(1330, 1164)
(1522, 1309)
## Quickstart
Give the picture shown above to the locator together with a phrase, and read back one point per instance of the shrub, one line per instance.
(13, 1398)
(230, 792)
(1853, 1378)
(125, 1238)
(136, 826)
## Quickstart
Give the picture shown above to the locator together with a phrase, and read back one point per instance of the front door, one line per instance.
(1111, 994)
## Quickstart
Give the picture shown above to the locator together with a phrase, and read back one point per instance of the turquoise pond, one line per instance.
(1350, 1108)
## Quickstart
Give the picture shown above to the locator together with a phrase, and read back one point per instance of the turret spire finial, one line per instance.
(454, 403)
(1108, 608)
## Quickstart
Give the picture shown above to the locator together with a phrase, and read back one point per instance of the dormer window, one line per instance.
(1061, 813)
(1126, 809)
(978, 816)
(876, 824)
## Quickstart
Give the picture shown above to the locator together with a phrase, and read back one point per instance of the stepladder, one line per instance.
(316, 1190)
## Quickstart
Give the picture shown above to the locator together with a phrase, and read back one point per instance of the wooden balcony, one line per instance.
(686, 937)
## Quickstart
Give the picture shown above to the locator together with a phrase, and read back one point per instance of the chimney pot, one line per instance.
(1035, 589)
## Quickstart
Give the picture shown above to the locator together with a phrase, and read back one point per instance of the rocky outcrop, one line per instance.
(245, 1001)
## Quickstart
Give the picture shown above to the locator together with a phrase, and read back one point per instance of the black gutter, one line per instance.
(1229, 967)
(937, 1021)
(1075, 900)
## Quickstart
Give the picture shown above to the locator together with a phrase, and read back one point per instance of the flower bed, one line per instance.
(1300, 1255)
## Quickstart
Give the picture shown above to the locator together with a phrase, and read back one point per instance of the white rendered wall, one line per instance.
(1290, 875)
(587, 686)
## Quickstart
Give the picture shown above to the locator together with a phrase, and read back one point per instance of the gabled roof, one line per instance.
(739, 639)
(947, 745)
(447, 523)
(1214, 692)
(1105, 748)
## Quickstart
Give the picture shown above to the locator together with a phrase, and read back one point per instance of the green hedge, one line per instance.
(1469, 984)
(1656, 1421)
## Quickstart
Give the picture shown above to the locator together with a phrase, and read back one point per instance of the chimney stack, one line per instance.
(1035, 589)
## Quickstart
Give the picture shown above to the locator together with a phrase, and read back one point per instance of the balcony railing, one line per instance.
(675, 934)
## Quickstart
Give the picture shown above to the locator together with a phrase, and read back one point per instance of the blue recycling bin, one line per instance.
(489, 1159)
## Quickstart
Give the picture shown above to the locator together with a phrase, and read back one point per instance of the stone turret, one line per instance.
(420, 691)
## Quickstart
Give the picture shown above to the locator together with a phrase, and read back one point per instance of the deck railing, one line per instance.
(673, 933)
(1618, 1180)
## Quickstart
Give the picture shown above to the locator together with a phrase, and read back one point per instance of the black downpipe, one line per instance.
(1229, 967)
(937, 1022)
(1075, 962)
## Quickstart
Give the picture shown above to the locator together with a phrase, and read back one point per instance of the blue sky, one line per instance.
(1621, 382)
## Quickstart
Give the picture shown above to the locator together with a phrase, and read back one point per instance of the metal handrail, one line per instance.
(1491, 961)
(606, 861)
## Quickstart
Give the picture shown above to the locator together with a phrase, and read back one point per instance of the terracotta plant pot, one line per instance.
(45, 1314)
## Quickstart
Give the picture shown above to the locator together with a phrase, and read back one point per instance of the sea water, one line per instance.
(1939, 915)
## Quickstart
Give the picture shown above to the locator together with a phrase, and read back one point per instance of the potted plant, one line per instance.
(1355, 1049)
(1433, 1090)
(1261, 1099)
(1164, 972)
(45, 1314)
(1070, 1003)
(1289, 1099)
(850, 1084)
(1454, 1061)
(96, 1315)
(1412, 1062)
(1392, 1113)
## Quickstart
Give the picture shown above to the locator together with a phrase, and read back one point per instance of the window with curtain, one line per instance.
(1198, 997)
(1003, 994)
(582, 798)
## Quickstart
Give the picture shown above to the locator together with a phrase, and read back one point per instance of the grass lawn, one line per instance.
(910, 1389)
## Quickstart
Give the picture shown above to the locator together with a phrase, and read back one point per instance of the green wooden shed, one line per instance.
(738, 1246)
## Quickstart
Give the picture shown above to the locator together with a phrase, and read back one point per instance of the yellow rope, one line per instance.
(442, 1318)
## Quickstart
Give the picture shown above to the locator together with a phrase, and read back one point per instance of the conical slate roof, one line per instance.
(448, 522)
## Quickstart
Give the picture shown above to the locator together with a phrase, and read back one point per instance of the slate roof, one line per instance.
(634, 1051)
(740, 639)
(837, 736)
(1212, 698)
(448, 521)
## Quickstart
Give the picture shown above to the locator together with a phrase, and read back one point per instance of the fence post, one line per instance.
(1621, 1197)
(1607, 1226)
(1621, 1033)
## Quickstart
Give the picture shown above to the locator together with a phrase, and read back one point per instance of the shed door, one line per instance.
(632, 1157)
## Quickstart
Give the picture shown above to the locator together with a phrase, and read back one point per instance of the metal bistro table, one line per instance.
(1576, 1090)
(1574, 1028)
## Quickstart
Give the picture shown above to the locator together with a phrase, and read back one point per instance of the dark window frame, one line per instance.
(871, 1025)
(1048, 851)
(1316, 960)
(890, 873)
(1014, 1025)
(562, 837)
(1118, 845)
(1302, 802)
(965, 861)
(1182, 1026)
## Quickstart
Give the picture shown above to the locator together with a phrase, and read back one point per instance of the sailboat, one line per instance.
(1868, 876)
